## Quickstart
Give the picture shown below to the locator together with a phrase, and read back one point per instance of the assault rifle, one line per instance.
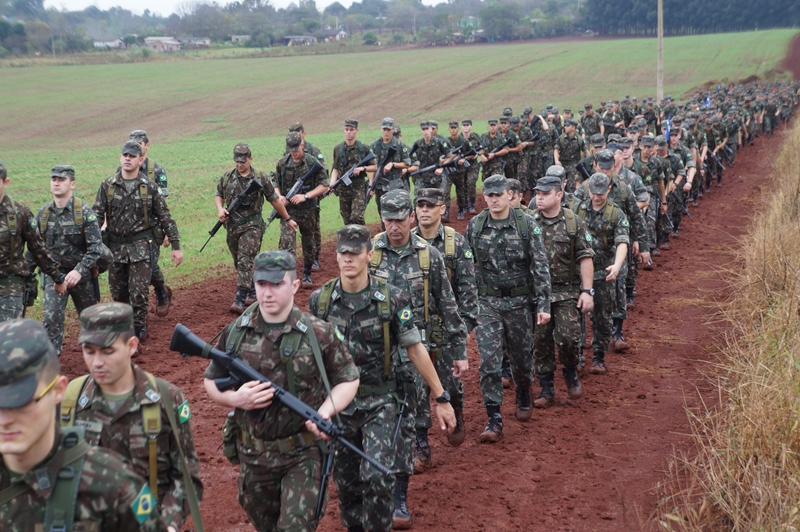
(254, 186)
(378, 178)
(500, 147)
(346, 177)
(450, 165)
(316, 167)
(681, 203)
(580, 167)
(716, 159)
(728, 152)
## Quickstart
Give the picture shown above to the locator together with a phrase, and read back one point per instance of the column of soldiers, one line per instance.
(608, 190)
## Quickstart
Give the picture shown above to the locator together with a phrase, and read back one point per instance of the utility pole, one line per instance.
(660, 68)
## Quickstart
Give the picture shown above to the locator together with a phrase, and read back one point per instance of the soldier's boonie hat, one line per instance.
(353, 239)
(548, 182)
(496, 184)
(396, 205)
(453, 123)
(556, 171)
(424, 124)
(139, 135)
(466, 122)
(131, 148)
(63, 170)
(514, 120)
(605, 159)
(648, 140)
(661, 140)
(492, 121)
(527, 111)
(504, 120)
(434, 196)
(387, 123)
(507, 111)
(24, 349)
(597, 139)
(598, 183)
(293, 140)
(241, 152)
(271, 266)
(625, 142)
(570, 122)
(102, 324)
(296, 127)
(351, 123)
(434, 123)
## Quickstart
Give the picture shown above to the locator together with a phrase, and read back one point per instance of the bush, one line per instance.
(370, 38)
(4, 53)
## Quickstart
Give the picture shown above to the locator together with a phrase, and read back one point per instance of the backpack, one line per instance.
(424, 258)
(610, 217)
(522, 229)
(103, 262)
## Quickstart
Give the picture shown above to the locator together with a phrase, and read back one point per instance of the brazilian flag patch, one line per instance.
(537, 230)
(143, 504)
(405, 314)
(184, 412)
(468, 254)
(625, 223)
(338, 333)
(92, 217)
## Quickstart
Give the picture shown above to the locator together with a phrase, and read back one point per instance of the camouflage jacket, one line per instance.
(395, 176)
(501, 261)
(627, 204)
(591, 124)
(716, 136)
(473, 141)
(557, 244)
(108, 494)
(260, 349)
(525, 134)
(455, 143)
(688, 139)
(570, 149)
(655, 165)
(643, 172)
(74, 247)
(123, 431)
(429, 154)
(232, 183)
(311, 150)
(358, 319)
(123, 213)
(155, 172)
(401, 268)
(605, 237)
(610, 118)
(12, 261)
(684, 155)
(345, 157)
(461, 273)
(515, 141)
(288, 172)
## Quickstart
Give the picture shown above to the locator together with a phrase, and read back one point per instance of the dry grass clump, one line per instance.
(746, 473)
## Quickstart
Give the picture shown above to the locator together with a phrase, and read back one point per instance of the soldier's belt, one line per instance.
(368, 390)
(252, 218)
(147, 234)
(283, 445)
(484, 290)
(12, 279)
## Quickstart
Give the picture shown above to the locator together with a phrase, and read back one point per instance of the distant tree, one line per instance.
(39, 36)
(336, 10)
(370, 38)
(499, 21)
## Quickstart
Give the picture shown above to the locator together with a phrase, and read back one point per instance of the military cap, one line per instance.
(514, 120)
(139, 135)
(567, 110)
(24, 350)
(570, 122)
(605, 159)
(131, 148)
(677, 120)
(715, 119)
(387, 123)
(296, 127)
(598, 183)
(396, 205)
(397, 131)
(602, 103)
(549, 107)
(514, 185)
(63, 170)
(633, 128)
(466, 122)
(641, 122)
(102, 324)
(548, 182)
(661, 140)
(353, 239)
(588, 105)
(650, 103)
(434, 124)
(453, 123)
(556, 171)
(527, 111)
(507, 111)
(647, 140)
(690, 123)
(634, 99)
(625, 142)
(597, 139)
(555, 110)
(351, 123)
(613, 146)
(425, 124)
(293, 140)
(492, 121)
(241, 152)
(614, 137)
(504, 120)
(434, 196)
(496, 184)
(271, 266)
(3, 171)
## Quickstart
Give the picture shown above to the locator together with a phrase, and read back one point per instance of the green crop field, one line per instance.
(196, 110)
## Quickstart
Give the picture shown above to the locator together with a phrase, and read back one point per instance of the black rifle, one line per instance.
(580, 167)
(378, 178)
(503, 145)
(728, 152)
(31, 291)
(326, 474)
(449, 165)
(187, 343)
(399, 420)
(681, 203)
(716, 159)
(316, 167)
(346, 177)
(254, 186)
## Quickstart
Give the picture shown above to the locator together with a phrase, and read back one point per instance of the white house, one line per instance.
(116, 43)
(240, 38)
(162, 44)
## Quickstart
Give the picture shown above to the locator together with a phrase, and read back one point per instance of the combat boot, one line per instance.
(461, 213)
(141, 333)
(357, 528)
(523, 403)
(508, 378)
(494, 428)
(446, 215)
(315, 266)
(401, 517)
(598, 364)
(548, 392)
(457, 437)
(422, 452)
(163, 298)
(620, 345)
(251, 297)
(238, 305)
(307, 282)
(472, 209)
(574, 388)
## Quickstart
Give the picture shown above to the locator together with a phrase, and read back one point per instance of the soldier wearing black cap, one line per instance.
(393, 171)
(458, 176)
(352, 199)
(513, 148)
(474, 141)
(493, 163)
(568, 151)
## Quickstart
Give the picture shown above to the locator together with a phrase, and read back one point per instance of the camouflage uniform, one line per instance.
(590, 124)
(395, 176)
(155, 172)
(458, 177)
(315, 152)
(474, 169)
(429, 154)
(570, 151)
(495, 166)
(523, 173)
(655, 165)
(352, 199)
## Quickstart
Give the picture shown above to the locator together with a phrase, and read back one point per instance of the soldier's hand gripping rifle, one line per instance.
(316, 167)
(346, 178)
(254, 186)
(378, 178)
(503, 145)
(187, 343)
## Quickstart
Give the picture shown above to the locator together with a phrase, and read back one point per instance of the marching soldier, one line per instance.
(492, 162)
(568, 151)
(473, 172)
(352, 199)
(392, 171)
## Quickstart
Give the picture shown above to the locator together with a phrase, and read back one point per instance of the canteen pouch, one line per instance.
(230, 437)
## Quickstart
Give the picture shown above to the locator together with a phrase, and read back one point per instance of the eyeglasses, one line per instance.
(47, 390)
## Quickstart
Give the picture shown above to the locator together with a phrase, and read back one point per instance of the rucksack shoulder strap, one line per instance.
(324, 301)
(151, 421)
(70, 400)
(145, 207)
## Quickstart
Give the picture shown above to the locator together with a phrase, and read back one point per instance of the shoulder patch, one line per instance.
(184, 412)
(143, 505)
(625, 223)
(152, 395)
(91, 217)
(338, 333)
(33, 222)
(379, 296)
(537, 230)
(468, 254)
(320, 157)
(405, 314)
(302, 326)
(589, 237)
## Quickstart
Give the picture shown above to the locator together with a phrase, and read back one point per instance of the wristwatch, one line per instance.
(589, 291)
(305, 196)
(444, 398)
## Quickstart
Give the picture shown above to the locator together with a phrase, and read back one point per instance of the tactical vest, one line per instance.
(343, 156)
(572, 150)
(522, 229)
(142, 195)
(424, 258)
(610, 218)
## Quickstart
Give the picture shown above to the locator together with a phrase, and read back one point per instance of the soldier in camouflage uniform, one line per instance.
(683, 184)
(74, 241)
(109, 495)
(591, 123)
(608, 227)
(429, 151)
(245, 226)
(569, 254)
(521, 129)
(568, 151)
(279, 453)
(514, 147)
(473, 172)
(492, 162)
(657, 189)
(458, 176)
(365, 311)
(513, 282)
(302, 208)
(352, 199)
(129, 204)
(392, 171)
(18, 228)
(110, 401)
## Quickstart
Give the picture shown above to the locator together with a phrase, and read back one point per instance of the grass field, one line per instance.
(195, 111)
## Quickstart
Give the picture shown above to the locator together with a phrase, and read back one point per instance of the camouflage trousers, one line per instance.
(633, 275)
(546, 160)
(55, 307)
(11, 299)
(510, 167)
(620, 298)
(157, 277)
(410, 393)
(244, 243)
(493, 167)
(522, 170)
(651, 217)
(129, 282)
(307, 225)
(365, 494)
(279, 491)
(459, 179)
(429, 180)
(674, 209)
(317, 230)
(443, 363)
(573, 176)
(563, 332)
(504, 331)
(604, 296)
(352, 203)
(472, 180)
